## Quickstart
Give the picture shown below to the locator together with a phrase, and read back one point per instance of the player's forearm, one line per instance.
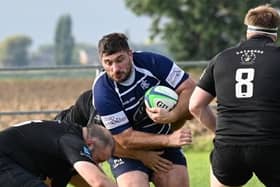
(140, 141)
(127, 153)
(92, 175)
(130, 139)
(199, 107)
(181, 111)
(206, 117)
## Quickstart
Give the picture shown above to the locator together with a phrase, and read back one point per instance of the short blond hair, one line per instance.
(262, 16)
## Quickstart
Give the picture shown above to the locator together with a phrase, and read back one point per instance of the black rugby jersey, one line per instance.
(82, 112)
(45, 148)
(245, 80)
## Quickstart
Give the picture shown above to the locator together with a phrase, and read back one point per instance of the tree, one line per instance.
(14, 50)
(44, 56)
(196, 30)
(64, 41)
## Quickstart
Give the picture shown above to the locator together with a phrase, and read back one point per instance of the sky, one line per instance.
(91, 19)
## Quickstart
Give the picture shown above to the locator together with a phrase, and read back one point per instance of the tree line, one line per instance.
(191, 30)
(14, 49)
(196, 30)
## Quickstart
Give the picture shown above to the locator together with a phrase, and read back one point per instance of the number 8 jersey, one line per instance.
(245, 80)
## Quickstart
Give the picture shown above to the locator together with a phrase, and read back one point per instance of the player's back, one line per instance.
(35, 145)
(248, 90)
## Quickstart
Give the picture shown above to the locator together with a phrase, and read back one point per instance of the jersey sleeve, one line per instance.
(167, 71)
(109, 107)
(79, 112)
(206, 81)
(75, 149)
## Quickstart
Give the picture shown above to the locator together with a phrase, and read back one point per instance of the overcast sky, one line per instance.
(91, 19)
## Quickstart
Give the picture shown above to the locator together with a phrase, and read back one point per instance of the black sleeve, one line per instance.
(61, 115)
(94, 117)
(82, 112)
(206, 81)
(74, 149)
(78, 113)
(61, 180)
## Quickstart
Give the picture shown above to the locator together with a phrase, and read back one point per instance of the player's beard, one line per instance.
(123, 75)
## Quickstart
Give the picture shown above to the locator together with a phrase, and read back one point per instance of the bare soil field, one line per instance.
(49, 94)
(29, 95)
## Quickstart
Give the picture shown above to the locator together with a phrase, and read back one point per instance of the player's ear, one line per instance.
(90, 142)
(130, 53)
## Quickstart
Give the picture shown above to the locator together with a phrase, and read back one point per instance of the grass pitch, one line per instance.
(198, 164)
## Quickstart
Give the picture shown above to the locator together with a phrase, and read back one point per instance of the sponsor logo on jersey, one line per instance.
(117, 162)
(174, 76)
(114, 120)
(144, 84)
(129, 100)
(248, 56)
(86, 152)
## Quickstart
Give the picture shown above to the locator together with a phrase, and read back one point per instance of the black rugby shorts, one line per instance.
(235, 165)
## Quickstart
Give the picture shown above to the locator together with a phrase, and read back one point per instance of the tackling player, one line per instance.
(32, 151)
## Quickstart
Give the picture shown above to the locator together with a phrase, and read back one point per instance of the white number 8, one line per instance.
(244, 86)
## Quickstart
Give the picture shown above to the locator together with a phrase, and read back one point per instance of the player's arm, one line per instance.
(181, 110)
(151, 159)
(199, 107)
(93, 175)
(180, 113)
(131, 139)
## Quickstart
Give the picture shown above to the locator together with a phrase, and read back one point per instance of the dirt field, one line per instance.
(52, 94)
(27, 95)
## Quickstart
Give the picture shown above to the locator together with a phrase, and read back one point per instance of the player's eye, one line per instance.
(108, 62)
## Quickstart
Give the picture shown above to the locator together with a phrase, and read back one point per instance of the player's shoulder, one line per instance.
(100, 76)
(102, 81)
(149, 59)
(86, 94)
(147, 54)
(103, 88)
(229, 52)
(84, 98)
(40, 122)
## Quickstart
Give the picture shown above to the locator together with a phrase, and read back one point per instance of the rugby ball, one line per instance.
(161, 96)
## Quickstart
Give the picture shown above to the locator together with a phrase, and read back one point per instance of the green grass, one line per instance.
(198, 165)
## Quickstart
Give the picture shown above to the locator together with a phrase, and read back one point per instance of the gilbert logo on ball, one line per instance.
(161, 96)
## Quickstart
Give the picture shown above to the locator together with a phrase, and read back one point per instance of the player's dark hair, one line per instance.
(112, 43)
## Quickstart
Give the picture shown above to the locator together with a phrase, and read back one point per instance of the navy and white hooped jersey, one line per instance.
(121, 105)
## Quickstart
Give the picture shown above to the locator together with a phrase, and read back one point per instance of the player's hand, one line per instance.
(180, 137)
(159, 115)
(154, 161)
